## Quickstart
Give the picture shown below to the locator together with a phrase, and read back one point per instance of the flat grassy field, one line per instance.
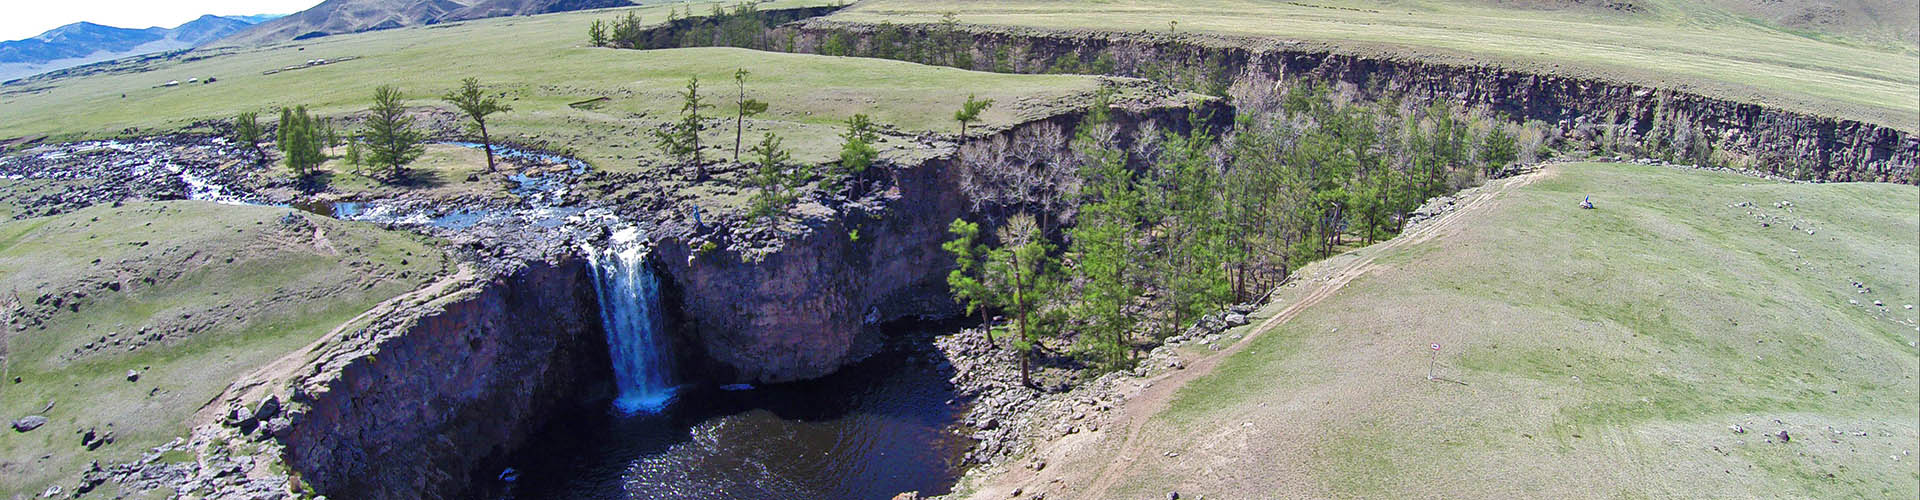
(190, 295)
(1686, 44)
(541, 65)
(1585, 353)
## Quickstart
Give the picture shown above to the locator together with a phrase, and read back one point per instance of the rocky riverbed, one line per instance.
(82, 174)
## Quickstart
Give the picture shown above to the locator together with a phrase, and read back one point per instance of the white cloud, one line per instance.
(26, 18)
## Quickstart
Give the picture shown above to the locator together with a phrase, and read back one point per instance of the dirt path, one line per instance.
(251, 386)
(1158, 391)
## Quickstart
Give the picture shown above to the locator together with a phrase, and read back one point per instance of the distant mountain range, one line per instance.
(83, 43)
(334, 17)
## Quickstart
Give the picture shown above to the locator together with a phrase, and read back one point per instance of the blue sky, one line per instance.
(26, 18)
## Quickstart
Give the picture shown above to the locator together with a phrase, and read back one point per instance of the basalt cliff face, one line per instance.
(1791, 143)
(803, 311)
(423, 403)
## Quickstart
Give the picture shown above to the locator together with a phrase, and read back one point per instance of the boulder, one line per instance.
(1236, 319)
(90, 439)
(28, 423)
(276, 427)
(268, 408)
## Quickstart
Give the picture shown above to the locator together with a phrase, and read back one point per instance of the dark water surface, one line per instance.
(871, 431)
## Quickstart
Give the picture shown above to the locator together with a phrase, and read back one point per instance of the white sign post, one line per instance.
(1432, 360)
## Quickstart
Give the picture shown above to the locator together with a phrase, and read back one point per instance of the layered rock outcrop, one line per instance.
(421, 403)
(1792, 143)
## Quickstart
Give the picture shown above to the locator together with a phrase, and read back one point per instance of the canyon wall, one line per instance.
(428, 402)
(799, 312)
(1741, 134)
(803, 311)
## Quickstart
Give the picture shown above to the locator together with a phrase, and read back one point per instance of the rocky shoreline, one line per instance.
(1005, 418)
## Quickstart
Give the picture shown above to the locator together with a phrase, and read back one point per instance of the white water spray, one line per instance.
(636, 329)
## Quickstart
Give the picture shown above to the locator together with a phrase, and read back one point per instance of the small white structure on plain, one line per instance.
(1432, 360)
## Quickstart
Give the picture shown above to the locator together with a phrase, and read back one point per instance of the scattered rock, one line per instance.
(93, 440)
(133, 376)
(1236, 319)
(241, 417)
(1783, 436)
(1737, 429)
(28, 423)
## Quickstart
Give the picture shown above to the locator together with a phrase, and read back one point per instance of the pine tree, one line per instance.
(1103, 248)
(772, 178)
(681, 140)
(744, 108)
(970, 112)
(392, 141)
(300, 141)
(280, 134)
(961, 55)
(627, 32)
(967, 281)
(837, 44)
(597, 33)
(246, 132)
(477, 106)
(328, 136)
(1197, 249)
(355, 156)
(1497, 150)
(1024, 274)
(856, 149)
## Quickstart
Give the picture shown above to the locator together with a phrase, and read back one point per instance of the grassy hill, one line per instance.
(543, 67)
(187, 295)
(1825, 68)
(1584, 353)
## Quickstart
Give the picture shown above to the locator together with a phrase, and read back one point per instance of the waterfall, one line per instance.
(636, 331)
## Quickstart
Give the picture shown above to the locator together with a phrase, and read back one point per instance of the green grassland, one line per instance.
(540, 65)
(1690, 45)
(1586, 353)
(224, 288)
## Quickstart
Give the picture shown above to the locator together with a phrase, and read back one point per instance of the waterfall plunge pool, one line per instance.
(869, 431)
